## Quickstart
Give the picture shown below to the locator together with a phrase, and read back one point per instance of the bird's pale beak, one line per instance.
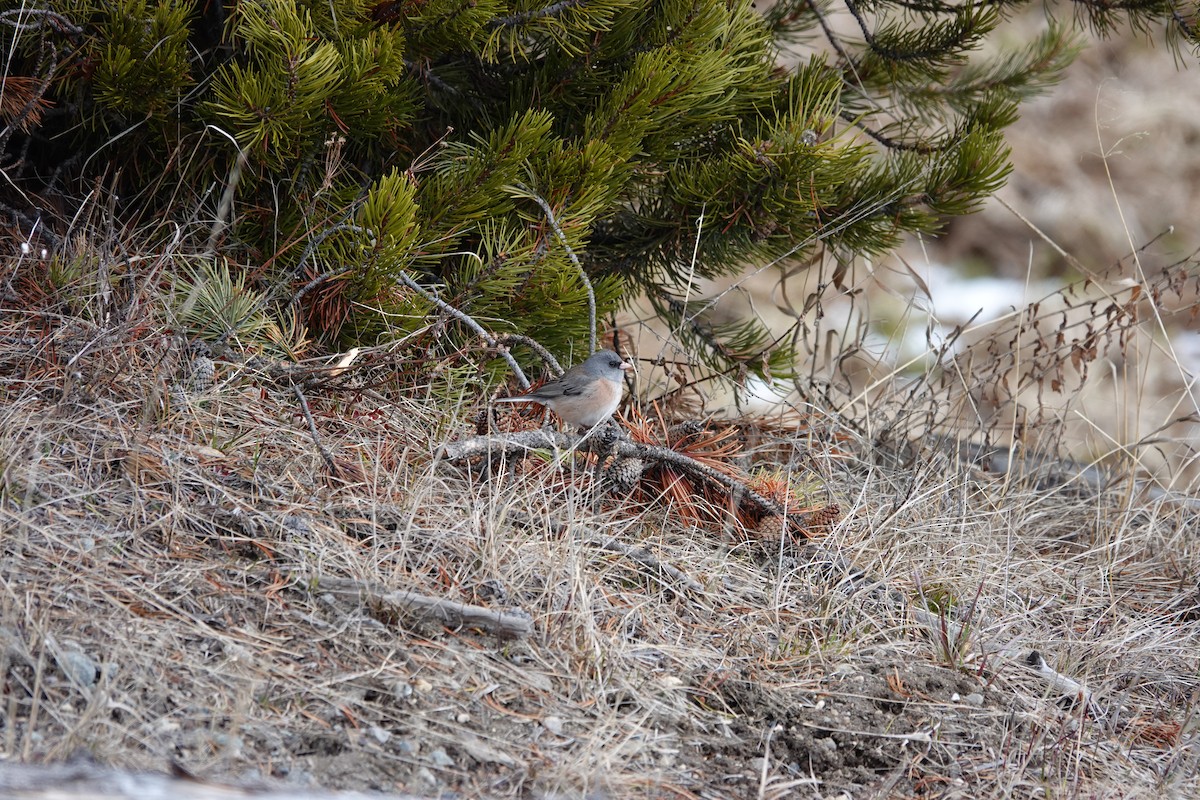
(626, 366)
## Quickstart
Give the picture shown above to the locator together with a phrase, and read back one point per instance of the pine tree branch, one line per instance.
(1104, 7)
(520, 18)
(833, 40)
(311, 247)
(945, 8)
(936, 50)
(1187, 26)
(562, 237)
(888, 142)
(424, 74)
(327, 456)
(31, 112)
(513, 624)
(33, 223)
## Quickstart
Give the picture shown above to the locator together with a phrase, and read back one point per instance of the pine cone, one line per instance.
(203, 372)
(623, 475)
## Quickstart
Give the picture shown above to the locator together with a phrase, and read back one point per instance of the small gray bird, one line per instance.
(586, 394)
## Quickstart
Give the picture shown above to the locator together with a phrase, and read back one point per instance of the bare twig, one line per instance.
(562, 237)
(312, 429)
(505, 624)
(545, 355)
(467, 320)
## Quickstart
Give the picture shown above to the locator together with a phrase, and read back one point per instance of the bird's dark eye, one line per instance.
(614, 363)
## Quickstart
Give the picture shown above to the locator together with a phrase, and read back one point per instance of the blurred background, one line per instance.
(1031, 322)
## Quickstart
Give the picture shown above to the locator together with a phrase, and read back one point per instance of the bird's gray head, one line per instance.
(605, 364)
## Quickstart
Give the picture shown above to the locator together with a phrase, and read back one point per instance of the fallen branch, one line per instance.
(312, 429)
(523, 443)
(514, 624)
(1057, 682)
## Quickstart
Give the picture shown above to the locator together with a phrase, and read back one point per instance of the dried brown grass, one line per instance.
(166, 537)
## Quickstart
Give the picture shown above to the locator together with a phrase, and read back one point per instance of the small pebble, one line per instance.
(78, 667)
